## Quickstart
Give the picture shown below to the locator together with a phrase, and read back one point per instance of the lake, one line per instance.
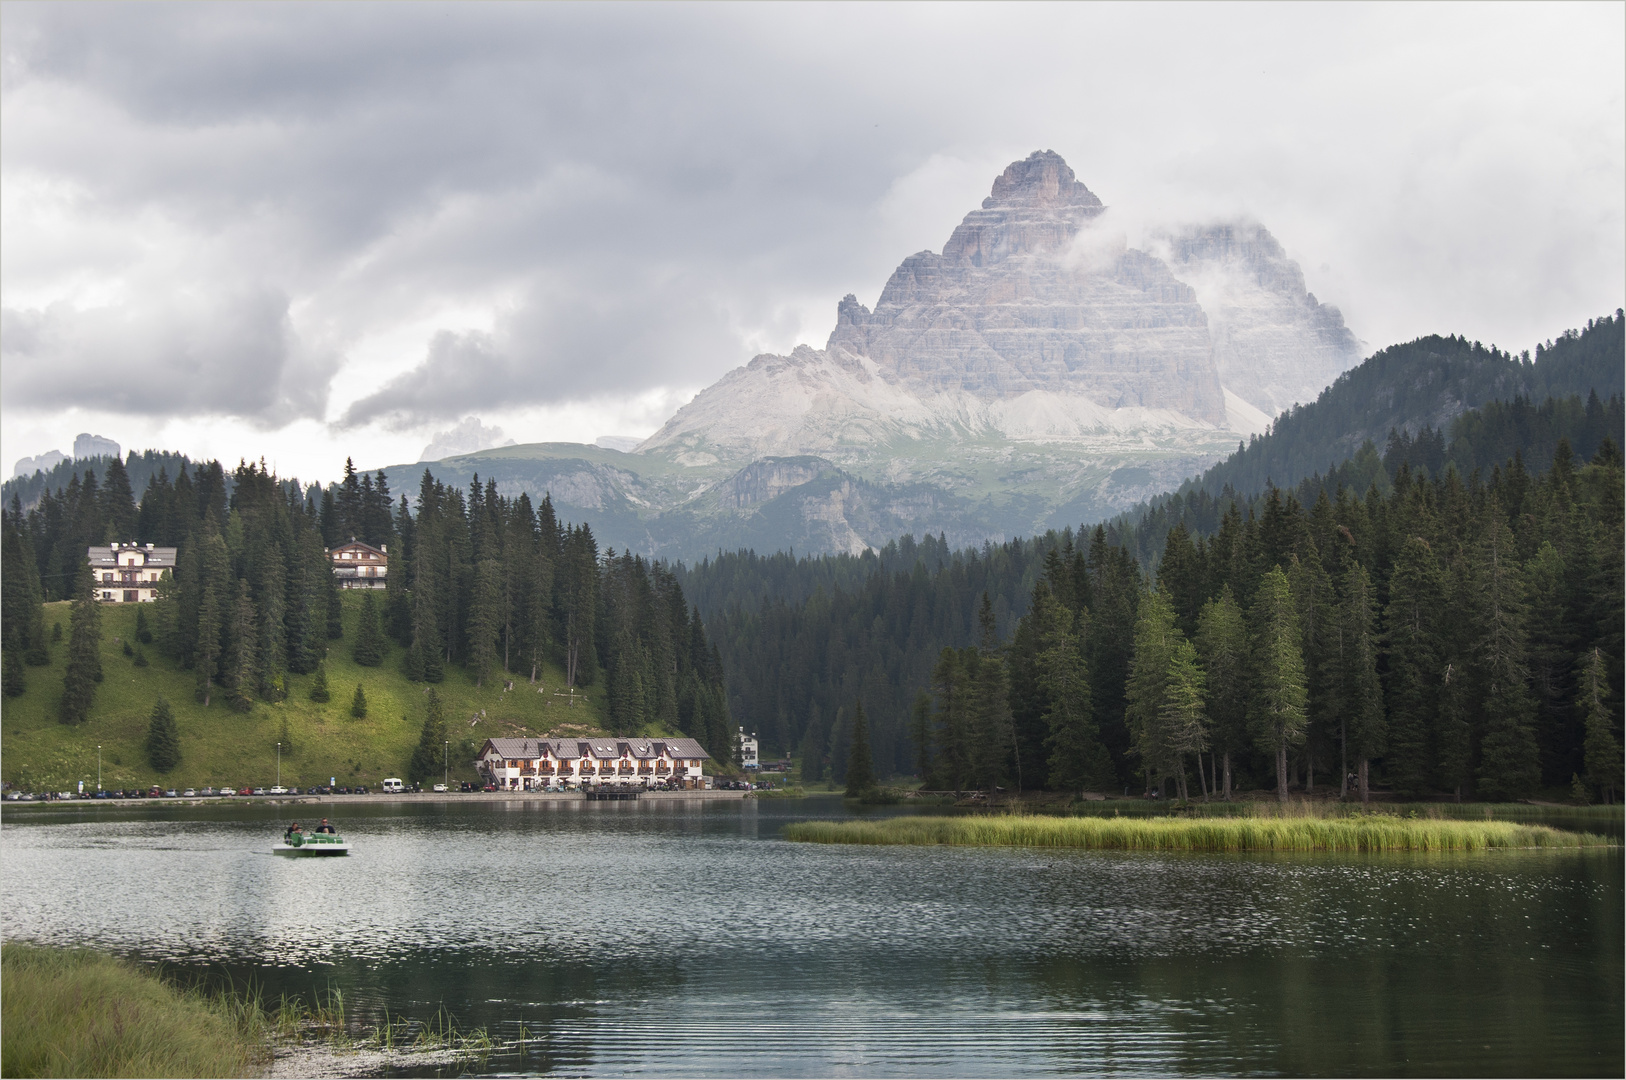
(687, 939)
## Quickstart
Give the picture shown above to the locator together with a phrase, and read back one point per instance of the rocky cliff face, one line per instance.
(1035, 373)
(1274, 344)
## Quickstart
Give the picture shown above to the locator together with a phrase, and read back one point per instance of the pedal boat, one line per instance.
(311, 844)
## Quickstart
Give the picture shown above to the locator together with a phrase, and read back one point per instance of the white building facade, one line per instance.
(129, 573)
(360, 566)
(573, 764)
(748, 751)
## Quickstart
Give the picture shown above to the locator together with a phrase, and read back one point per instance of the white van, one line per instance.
(393, 784)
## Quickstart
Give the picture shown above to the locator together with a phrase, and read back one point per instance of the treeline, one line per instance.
(1423, 383)
(1452, 635)
(477, 581)
(495, 584)
(1480, 440)
(139, 468)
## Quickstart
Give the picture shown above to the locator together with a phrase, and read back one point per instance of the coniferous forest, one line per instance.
(1441, 617)
(477, 580)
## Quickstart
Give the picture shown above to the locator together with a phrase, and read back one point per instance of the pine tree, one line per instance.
(358, 703)
(1357, 680)
(485, 620)
(431, 747)
(319, 691)
(141, 657)
(242, 667)
(367, 649)
(1182, 720)
(1146, 690)
(1278, 712)
(1509, 765)
(84, 668)
(207, 653)
(163, 741)
(143, 632)
(860, 766)
(1222, 649)
(1411, 691)
(1603, 754)
(12, 658)
(1077, 759)
(920, 733)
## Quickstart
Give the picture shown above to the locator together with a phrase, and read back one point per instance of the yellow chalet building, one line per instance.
(360, 566)
(129, 573)
(556, 764)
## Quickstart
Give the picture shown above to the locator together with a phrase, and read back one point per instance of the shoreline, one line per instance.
(379, 797)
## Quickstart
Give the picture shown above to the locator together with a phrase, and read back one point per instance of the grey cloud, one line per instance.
(670, 179)
(559, 346)
(230, 354)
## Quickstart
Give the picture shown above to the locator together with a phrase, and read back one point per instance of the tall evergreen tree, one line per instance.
(84, 669)
(367, 649)
(163, 740)
(1222, 648)
(358, 703)
(1416, 601)
(1509, 766)
(1603, 753)
(860, 765)
(1358, 682)
(1278, 712)
(319, 691)
(431, 748)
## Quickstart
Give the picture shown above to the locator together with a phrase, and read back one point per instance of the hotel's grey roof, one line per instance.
(602, 749)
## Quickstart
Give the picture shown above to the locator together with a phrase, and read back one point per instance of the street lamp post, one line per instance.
(98, 766)
(279, 764)
(445, 769)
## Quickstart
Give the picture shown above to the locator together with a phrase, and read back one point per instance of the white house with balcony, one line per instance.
(360, 566)
(748, 750)
(573, 764)
(129, 573)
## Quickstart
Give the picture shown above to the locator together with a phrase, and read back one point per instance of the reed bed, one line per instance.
(74, 1013)
(1356, 833)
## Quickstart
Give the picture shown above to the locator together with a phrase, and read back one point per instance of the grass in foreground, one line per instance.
(71, 1013)
(1376, 832)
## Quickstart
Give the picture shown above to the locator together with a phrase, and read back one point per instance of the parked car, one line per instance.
(393, 785)
(258, 791)
(438, 788)
(190, 793)
(171, 793)
(245, 791)
(278, 790)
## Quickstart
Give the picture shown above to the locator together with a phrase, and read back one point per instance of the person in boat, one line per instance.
(293, 831)
(324, 827)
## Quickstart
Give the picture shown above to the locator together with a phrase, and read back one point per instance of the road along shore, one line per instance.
(375, 798)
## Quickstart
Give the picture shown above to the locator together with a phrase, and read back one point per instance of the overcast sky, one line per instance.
(306, 231)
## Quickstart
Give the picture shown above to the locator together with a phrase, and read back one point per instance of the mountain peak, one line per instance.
(1042, 179)
(1036, 205)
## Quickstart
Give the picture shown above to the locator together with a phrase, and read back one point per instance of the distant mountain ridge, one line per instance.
(1036, 372)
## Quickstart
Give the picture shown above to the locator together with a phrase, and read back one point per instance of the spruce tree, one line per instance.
(141, 657)
(1222, 649)
(368, 647)
(1278, 713)
(1182, 720)
(1509, 765)
(920, 733)
(1411, 691)
(428, 755)
(1603, 754)
(485, 621)
(319, 691)
(12, 658)
(1077, 759)
(84, 669)
(860, 766)
(242, 666)
(1147, 687)
(143, 632)
(1357, 673)
(163, 741)
(358, 703)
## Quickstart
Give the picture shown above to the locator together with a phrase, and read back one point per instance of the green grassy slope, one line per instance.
(220, 746)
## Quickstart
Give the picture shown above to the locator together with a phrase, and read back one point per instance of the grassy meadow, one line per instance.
(220, 746)
(1259, 832)
(71, 1013)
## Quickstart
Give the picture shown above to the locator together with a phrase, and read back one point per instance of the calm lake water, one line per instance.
(688, 939)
